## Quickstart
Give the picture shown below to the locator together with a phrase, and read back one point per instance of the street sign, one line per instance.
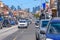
(44, 5)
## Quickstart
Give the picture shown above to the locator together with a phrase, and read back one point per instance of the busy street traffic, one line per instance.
(29, 19)
(19, 34)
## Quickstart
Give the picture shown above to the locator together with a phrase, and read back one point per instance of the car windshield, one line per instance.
(22, 21)
(37, 21)
(44, 23)
(54, 28)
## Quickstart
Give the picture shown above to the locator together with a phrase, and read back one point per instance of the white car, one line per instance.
(22, 23)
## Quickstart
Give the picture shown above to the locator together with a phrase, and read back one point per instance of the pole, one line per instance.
(45, 10)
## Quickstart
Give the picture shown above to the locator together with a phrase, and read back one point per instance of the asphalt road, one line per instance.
(23, 34)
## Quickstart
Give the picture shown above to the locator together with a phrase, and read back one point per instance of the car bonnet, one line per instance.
(53, 36)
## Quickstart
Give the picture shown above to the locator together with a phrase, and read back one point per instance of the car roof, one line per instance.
(45, 20)
(56, 19)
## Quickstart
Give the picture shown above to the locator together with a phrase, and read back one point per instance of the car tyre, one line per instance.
(1, 28)
(18, 27)
(37, 37)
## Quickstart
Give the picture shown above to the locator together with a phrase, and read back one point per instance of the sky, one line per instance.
(24, 3)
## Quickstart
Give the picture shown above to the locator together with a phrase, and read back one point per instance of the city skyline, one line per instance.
(24, 3)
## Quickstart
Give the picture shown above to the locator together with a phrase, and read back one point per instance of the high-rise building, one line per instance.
(18, 7)
(33, 10)
(27, 10)
(36, 9)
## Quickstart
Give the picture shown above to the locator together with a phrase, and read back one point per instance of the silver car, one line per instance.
(43, 24)
(53, 30)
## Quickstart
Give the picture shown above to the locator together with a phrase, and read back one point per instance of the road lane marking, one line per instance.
(14, 38)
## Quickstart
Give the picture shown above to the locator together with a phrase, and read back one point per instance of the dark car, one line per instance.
(42, 16)
(1, 21)
(37, 23)
(12, 22)
(6, 23)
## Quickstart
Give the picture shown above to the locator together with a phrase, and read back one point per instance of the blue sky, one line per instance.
(24, 3)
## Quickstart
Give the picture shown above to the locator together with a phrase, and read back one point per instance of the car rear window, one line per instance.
(44, 23)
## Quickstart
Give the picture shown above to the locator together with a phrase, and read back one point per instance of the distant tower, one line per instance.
(13, 7)
(18, 7)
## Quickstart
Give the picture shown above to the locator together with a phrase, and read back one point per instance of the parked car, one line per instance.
(6, 23)
(53, 30)
(44, 23)
(29, 21)
(1, 21)
(22, 23)
(42, 16)
(13, 22)
(43, 26)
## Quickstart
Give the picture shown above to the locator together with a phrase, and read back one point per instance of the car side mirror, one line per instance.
(42, 32)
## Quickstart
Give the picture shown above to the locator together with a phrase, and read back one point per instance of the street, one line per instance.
(19, 34)
(30, 20)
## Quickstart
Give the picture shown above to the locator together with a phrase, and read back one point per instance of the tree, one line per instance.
(37, 15)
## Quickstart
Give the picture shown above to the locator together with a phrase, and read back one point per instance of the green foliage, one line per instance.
(36, 15)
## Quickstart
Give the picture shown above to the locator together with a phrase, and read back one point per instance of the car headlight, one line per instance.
(48, 39)
(49, 16)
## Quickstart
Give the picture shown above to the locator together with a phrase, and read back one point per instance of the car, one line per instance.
(22, 23)
(53, 30)
(1, 21)
(42, 26)
(13, 22)
(37, 23)
(29, 21)
(48, 15)
(6, 23)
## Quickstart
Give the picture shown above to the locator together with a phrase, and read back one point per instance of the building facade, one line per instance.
(53, 6)
(58, 7)
(53, 3)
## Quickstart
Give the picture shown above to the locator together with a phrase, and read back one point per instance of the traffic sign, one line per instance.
(44, 5)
